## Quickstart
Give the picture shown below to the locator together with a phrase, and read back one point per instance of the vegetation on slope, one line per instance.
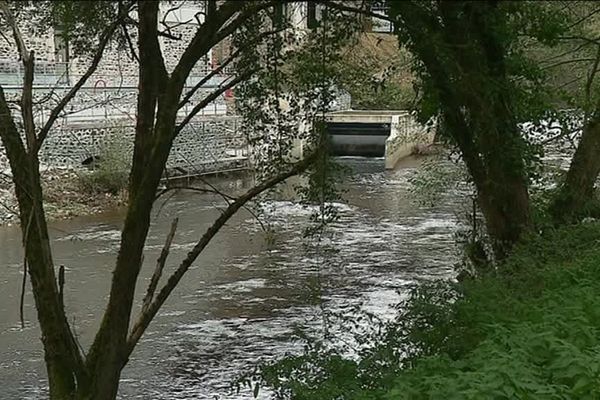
(377, 74)
(530, 330)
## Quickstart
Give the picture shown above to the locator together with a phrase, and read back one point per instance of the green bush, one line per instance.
(529, 330)
(109, 173)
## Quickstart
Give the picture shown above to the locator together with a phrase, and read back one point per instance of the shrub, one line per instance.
(109, 170)
(529, 330)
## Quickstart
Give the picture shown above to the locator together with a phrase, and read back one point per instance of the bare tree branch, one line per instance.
(5, 38)
(226, 197)
(146, 317)
(584, 18)
(160, 265)
(242, 17)
(564, 62)
(224, 64)
(24, 282)
(164, 34)
(27, 102)
(61, 287)
(589, 83)
(585, 39)
(27, 58)
(197, 86)
(208, 99)
(168, 28)
(130, 43)
(21, 46)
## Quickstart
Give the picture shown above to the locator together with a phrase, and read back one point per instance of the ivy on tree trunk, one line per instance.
(462, 56)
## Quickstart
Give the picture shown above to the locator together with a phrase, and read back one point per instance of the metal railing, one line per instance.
(51, 73)
(45, 72)
(91, 105)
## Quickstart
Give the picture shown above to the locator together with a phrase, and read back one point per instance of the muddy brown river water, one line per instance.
(241, 300)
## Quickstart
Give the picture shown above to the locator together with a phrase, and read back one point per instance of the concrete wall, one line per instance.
(405, 132)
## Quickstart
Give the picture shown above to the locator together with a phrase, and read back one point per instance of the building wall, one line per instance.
(118, 68)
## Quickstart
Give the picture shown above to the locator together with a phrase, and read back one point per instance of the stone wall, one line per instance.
(41, 43)
(206, 145)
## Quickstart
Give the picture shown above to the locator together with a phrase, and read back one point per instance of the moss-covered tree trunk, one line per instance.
(575, 198)
(464, 72)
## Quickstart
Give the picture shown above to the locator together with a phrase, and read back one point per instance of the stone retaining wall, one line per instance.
(205, 145)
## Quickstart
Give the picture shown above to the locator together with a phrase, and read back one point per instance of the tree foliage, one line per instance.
(526, 328)
(530, 331)
(94, 373)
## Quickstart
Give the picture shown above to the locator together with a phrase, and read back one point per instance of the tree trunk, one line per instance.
(63, 359)
(96, 377)
(153, 140)
(506, 210)
(464, 67)
(576, 195)
(109, 355)
(498, 177)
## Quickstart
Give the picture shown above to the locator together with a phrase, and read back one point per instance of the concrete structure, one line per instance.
(386, 133)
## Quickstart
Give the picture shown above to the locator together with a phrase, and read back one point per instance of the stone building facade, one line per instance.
(118, 68)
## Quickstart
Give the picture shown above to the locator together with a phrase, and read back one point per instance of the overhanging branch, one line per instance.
(146, 317)
(224, 64)
(211, 97)
(160, 265)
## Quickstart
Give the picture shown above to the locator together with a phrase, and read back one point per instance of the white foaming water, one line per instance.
(242, 301)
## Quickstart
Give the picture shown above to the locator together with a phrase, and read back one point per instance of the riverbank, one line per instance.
(247, 296)
(530, 330)
(65, 197)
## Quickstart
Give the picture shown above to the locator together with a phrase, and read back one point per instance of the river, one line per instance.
(241, 300)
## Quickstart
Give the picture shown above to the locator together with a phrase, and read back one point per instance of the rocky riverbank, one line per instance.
(65, 197)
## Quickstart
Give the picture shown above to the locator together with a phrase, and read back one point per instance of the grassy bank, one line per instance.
(531, 331)
(67, 193)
